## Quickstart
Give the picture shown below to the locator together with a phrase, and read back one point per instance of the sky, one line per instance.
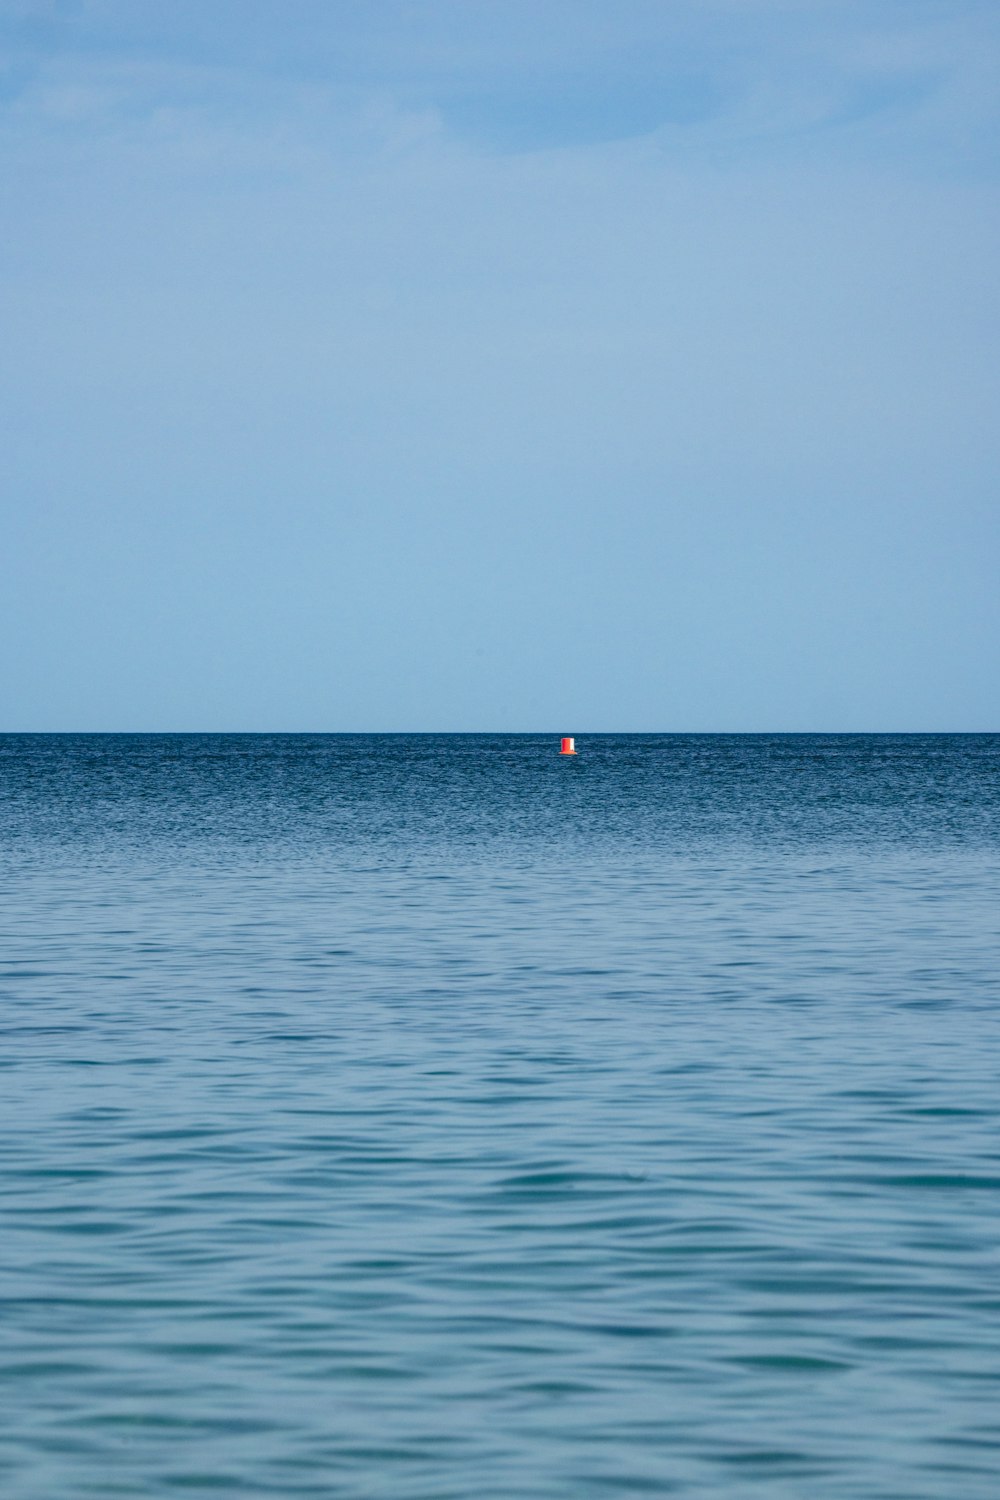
(494, 365)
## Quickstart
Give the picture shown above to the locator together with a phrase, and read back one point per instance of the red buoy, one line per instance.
(568, 747)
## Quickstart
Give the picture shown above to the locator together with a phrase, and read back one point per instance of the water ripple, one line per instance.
(426, 1119)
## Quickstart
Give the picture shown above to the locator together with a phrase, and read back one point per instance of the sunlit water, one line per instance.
(433, 1118)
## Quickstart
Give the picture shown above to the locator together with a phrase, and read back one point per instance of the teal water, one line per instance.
(429, 1117)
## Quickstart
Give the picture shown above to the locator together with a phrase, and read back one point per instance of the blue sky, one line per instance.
(476, 364)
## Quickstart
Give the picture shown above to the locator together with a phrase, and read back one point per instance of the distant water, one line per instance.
(434, 1118)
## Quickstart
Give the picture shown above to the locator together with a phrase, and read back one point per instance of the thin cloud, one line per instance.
(518, 77)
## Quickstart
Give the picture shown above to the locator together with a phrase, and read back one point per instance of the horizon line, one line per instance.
(489, 733)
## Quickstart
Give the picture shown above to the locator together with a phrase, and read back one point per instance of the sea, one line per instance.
(438, 1117)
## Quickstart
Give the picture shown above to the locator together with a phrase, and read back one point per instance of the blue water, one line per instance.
(429, 1117)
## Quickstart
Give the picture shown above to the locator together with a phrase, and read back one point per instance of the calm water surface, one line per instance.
(429, 1118)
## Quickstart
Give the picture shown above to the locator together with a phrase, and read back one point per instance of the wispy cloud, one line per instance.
(757, 75)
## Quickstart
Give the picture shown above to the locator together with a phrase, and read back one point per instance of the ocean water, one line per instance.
(434, 1117)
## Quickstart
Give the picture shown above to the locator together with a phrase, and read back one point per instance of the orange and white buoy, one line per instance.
(568, 747)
